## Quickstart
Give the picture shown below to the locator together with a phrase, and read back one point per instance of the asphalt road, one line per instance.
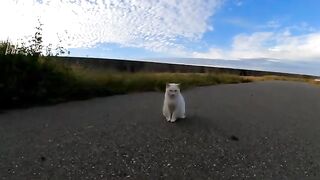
(265, 130)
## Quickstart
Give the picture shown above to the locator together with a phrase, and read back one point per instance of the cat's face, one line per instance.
(172, 89)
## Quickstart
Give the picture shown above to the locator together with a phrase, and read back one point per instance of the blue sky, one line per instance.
(283, 30)
(232, 18)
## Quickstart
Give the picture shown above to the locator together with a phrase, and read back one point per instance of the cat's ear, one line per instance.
(178, 84)
(167, 85)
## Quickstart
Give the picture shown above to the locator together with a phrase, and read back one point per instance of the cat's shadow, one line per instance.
(198, 123)
(191, 119)
(195, 122)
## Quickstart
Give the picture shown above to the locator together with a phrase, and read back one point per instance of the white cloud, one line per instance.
(302, 27)
(245, 23)
(239, 22)
(151, 24)
(273, 45)
(239, 3)
(273, 24)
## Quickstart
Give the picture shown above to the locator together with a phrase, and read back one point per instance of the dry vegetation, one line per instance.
(28, 80)
(284, 78)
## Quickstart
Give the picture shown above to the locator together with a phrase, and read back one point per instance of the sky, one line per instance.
(281, 30)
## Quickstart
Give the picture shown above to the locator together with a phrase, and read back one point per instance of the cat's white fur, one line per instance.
(174, 104)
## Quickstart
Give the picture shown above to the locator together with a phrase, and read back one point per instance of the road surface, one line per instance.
(262, 130)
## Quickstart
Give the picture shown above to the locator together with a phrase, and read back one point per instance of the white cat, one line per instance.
(173, 105)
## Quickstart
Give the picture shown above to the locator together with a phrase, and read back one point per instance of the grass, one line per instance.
(283, 78)
(31, 80)
(122, 82)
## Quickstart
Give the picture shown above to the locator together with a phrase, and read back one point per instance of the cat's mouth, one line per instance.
(171, 96)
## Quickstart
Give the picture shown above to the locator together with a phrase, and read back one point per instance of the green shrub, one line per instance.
(31, 79)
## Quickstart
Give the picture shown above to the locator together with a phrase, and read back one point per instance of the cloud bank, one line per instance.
(272, 45)
(157, 25)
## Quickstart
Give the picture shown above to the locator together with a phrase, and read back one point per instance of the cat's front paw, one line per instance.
(172, 120)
